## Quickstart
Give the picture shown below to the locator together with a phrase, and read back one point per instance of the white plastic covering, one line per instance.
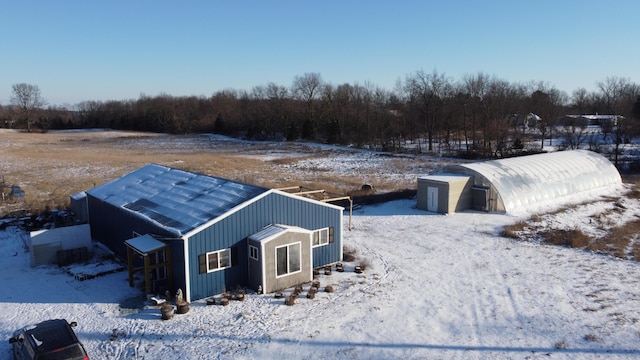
(44, 244)
(545, 179)
(175, 199)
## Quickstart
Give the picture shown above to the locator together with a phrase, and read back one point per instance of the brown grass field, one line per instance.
(50, 167)
(619, 240)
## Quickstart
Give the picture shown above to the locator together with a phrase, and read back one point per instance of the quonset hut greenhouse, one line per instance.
(519, 185)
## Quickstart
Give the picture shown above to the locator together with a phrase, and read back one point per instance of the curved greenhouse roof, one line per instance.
(543, 180)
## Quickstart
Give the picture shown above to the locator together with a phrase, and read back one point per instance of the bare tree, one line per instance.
(581, 101)
(226, 108)
(614, 91)
(307, 88)
(619, 95)
(497, 107)
(27, 98)
(635, 111)
(574, 131)
(278, 98)
(547, 102)
(475, 87)
(429, 90)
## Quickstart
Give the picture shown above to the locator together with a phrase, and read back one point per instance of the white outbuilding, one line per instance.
(60, 246)
(444, 193)
(523, 184)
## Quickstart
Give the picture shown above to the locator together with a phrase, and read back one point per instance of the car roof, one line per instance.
(51, 334)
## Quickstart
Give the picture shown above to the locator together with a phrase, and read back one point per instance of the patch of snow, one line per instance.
(95, 269)
(438, 286)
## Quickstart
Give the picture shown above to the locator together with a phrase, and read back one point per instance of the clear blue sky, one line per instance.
(113, 50)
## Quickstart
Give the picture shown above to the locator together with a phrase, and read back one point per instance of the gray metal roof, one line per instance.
(175, 199)
(270, 231)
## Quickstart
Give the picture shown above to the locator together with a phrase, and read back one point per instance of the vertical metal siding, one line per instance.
(421, 194)
(227, 233)
(235, 228)
(112, 226)
(255, 267)
(311, 216)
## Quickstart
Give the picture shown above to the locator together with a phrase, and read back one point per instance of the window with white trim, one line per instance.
(288, 259)
(216, 260)
(322, 237)
(253, 253)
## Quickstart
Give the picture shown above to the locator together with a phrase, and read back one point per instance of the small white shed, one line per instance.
(64, 244)
(444, 193)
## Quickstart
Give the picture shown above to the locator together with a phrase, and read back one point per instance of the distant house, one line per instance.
(207, 235)
(531, 121)
(593, 120)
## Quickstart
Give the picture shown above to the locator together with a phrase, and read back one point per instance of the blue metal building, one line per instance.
(206, 223)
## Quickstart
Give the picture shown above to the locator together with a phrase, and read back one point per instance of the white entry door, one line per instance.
(432, 199)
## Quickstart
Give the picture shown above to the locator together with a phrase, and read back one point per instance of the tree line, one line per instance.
(478, 114)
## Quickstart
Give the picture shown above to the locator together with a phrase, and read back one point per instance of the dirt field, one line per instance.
(50, 167)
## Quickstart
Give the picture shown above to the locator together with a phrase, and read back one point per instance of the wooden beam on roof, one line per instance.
(338, 198)
(310, 192)
(289, 188)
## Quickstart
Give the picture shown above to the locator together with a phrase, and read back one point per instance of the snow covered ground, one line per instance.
(446, 287)
(438, 287)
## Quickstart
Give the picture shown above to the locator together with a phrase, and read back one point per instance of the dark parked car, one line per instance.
(48, 340)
